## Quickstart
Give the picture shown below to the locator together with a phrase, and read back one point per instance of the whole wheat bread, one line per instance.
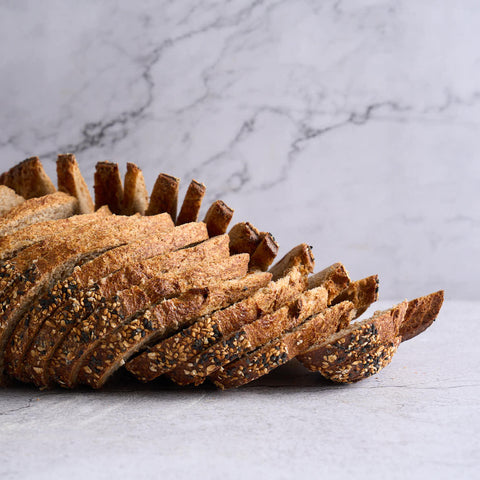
(135, 194)
(164, 196)
(108, 186)
(192, 203)
(8, 199)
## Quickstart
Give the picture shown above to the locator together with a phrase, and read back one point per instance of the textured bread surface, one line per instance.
(8, 199)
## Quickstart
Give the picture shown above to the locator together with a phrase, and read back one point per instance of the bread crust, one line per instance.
(218, 218)
(8, 199)
(164, 196)
(299, 255)
(192, 203)
(334, 278)
(71, 181)
(28, 179)
(278, 352)
(265, 253)
(49, 207)
(108, 186)
(244, 238)
(362, 293)
(135, 194)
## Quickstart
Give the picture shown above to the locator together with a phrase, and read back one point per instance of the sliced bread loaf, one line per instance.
(8, 199)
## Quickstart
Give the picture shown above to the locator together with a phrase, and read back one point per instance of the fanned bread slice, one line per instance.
(135, 194)
(20, 239)
(322, 288)
(283, 349)
(71, 181)
(49, 207)
(244, 238)
(362, 293)
(44, 264)
(70, 293)
(8, 199)
(264, 254)
(28, 179)
(250, 337)
(154, 243)
(179, 348)
(65, 366)
(115, 349)
(360, 350)
(192, 203)
(299, 255)
(218, 218)
(164, 196)
(108, 186)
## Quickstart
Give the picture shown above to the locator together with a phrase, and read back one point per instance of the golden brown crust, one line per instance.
(299, 255)
(192, 203)
(71, 181)
(49, 207)
(28, 179)
(173, 351)
(334, 278)
(421, 313)
(218, 218)
(108, 186)
(135, 194)
(168, 316)
(284, 348)
(244, 238)
(361, 293)
(8, 199)
(265, 253)
(360, 350)
(164, 196)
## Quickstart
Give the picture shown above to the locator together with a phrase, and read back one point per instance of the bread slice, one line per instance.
(28, 179)
(278, 352)
(112, 351)
(299, 255)
(8, 199)
(108, 186)
(135, 194)
(244, 238)
(164, 196)
(49, 207)
(71, 181)
(265, 253)
(218, 218)
(250, 337)
(68, 294)
(322, 288)
(120, 309)
(154, 243)
(192, 203)
(45, 264)
(360, 350)
(362, 293)
(179, 348)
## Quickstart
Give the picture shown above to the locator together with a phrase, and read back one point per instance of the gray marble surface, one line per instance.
(418, 418)
(352, 126)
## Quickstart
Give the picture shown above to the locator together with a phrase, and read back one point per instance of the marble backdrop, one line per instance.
(352, 126)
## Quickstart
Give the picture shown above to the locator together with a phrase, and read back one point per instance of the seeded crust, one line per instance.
(299, 255)
(334, 278)
(116, 348)
(108, 186)
(68, 359)
(50, 207)
(71, 181)
(362, 293)
(250, 337)
(135, 194)
(28, 179)
(421, 313)
(192, 203)
(244, 238)
(218, 218)
(11, 244)
(360, 350)
(264, 254)
(53, 261)
(30, 328)
(179, 348)
(285, 348)
(164, 196)
(322, 288)
(8, 199)
(79, 306)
